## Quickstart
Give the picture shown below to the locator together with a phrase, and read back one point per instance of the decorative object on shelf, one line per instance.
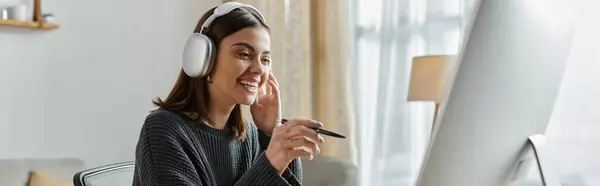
(17, 12)
(48, 18)
(30, 8)
(4, 5)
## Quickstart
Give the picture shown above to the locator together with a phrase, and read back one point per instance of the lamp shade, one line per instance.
(428, 77)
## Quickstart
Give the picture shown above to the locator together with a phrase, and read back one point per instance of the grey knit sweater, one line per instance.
(172, 151)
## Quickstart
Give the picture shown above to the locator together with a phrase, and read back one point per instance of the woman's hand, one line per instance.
(267, 108)
(292, 140)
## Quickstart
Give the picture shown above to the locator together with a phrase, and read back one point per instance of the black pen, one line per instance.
(321, 131)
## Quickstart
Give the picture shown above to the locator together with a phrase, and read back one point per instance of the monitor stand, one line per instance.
(537, 144)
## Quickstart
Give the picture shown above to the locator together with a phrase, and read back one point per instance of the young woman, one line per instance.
(197, 136)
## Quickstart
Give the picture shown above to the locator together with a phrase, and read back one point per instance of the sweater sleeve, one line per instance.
(160, 156)
(293, 174)
(263, 173)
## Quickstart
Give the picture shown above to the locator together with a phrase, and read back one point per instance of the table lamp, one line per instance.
(428, 79)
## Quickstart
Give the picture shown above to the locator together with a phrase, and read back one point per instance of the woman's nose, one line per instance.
(258, 67)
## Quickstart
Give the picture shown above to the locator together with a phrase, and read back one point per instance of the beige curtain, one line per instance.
(332, 103)
(310, 60)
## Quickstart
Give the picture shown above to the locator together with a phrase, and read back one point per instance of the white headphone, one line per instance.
(200, 51)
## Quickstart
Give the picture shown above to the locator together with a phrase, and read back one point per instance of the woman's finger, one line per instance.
(269, 88)
(263, 89)
(272, 78)
(274, 88)
(279, 131)
(301, 142)
(303, 131)
(304, 122)
(300, 152)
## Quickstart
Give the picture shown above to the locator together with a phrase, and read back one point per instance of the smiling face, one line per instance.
(243, 63)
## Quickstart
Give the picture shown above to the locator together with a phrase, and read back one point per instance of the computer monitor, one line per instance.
(505, 84)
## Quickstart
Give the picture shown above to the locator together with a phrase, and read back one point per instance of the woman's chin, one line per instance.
(246, 100)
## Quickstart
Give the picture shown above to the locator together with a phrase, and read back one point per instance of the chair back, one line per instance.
(329, 171)
(108, 175)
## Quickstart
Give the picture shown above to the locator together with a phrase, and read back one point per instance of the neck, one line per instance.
(219, 111)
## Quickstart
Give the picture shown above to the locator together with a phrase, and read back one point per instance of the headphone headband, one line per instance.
(200, 51)
(224, 9)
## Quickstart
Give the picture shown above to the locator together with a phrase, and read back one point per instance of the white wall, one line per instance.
(84, 90)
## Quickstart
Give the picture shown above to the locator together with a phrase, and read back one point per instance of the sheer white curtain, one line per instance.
(392, 133)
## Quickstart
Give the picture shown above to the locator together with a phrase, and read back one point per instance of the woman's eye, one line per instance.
(244, 55)
(267, 61)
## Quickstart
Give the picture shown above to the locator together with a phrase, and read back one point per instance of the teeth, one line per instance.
(248, 83)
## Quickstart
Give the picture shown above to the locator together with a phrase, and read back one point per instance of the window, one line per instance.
(391, 133)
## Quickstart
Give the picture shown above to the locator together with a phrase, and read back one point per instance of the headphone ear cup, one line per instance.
(198, 55)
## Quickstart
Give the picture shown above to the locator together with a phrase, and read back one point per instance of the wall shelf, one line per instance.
(37, 23)
(31, 24)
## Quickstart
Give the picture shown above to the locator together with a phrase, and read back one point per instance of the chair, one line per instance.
(108, 175)
(329, 171)
(321, 171)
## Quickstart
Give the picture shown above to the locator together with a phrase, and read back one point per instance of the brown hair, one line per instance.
(190, 95)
